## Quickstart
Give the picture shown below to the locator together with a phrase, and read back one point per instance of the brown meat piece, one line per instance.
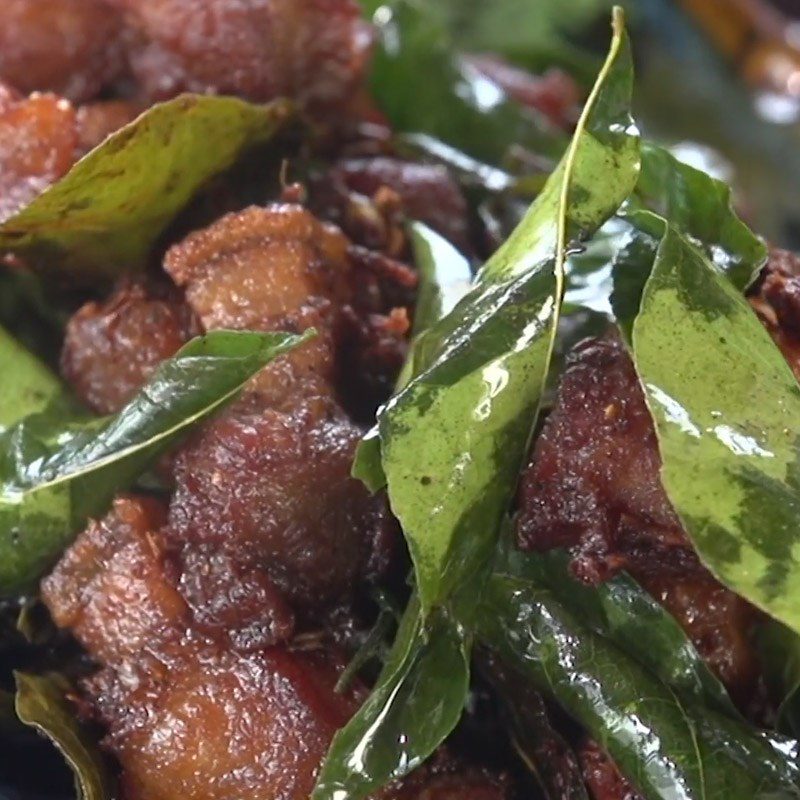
(555, 94)
(593, 485)
(267, 483)
(112, 348)
(221, 724)
(70, 47)
(776, 299)
(37, 145)
(354, 194)
(602, 776)
(110, 588)
(444, 777)
(272, 488)
(311, 50)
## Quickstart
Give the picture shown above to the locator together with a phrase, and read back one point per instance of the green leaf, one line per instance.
(725, 404)
(29, 385)
(42, 702)
(628, 616)
(666, 747)
(700, 207)
(416, 702)
(104, 215)
(534, 34)
(453, 439)
(56, 472)
(421, 85)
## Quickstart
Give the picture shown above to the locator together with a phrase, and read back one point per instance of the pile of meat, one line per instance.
(216, 616)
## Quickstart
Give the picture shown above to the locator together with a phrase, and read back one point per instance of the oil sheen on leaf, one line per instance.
(103, 216)
(55, 472)
(452, 440)
(668, 748)
(726, 406)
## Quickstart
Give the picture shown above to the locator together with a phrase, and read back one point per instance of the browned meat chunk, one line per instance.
(71, 47)
(268, 483)
(273, 489)
(776, 299)
(110, 588)
(356, 191)
(311, 50)
(603, 778)
(37, 145)
(112, 348)
(446, 778)
(593, 486)
(554, 94)
(222, 724)
(186, 715)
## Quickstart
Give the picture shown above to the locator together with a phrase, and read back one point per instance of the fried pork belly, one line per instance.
(38, 138)
(311, 50)
(70, 47)
(776, 299)
(188, 711)
(112, 348)
(187, 715)
(593, 486)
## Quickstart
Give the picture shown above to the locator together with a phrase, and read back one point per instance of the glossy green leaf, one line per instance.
(700, 206)
(725, 405)
(668, 748)
(104, 215)
(422, 86)
(416, 702)
(453, 439)
(56, 473)
(29, 385)
(630, 618)
(41, 702)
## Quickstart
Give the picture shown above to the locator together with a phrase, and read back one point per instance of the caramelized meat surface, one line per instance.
(593, 486)
(776, 300)
(112, 348)
(38, 138)
(70, 47)
(311, 50)
(111, 587)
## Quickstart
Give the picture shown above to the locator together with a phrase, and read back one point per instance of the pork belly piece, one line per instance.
(776, 299)
(70, 47)
(593, 486)
(313, 51)
(187, 711)
(112, 348)
(38, 138)
(268, 482)
(355, 192)
(111, 588)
